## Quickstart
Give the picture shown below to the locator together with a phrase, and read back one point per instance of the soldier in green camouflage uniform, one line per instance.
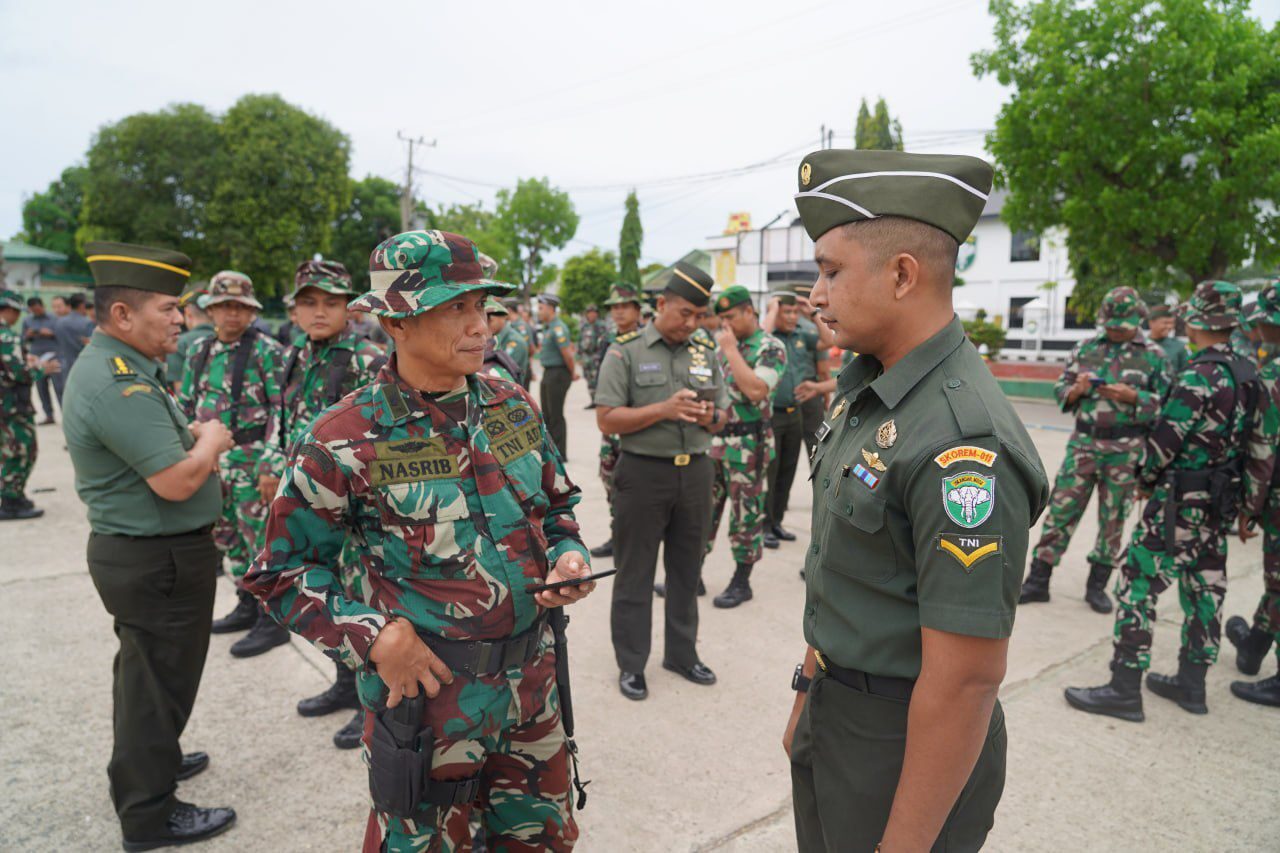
(497, 362)
(1114, 383)
(751, 361)
(234, 376)
(1262, 509)
(591, 346)
(513, 343)
(17, 415)
(1195, 455)
(456, 501)
(624, 304)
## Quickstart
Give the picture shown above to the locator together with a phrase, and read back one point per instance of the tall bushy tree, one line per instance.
(877, 131)
(586, 279)
(629, 242)
(372, 216)
(1150, 131)
(50, 219)
(533, 219)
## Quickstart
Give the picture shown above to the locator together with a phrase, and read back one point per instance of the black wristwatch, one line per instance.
(800, 681)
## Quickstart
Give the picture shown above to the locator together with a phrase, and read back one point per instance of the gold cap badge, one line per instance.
(806, 173)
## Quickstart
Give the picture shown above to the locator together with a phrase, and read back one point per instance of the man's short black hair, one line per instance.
(76, 300)
(33, 301)
(105, 297)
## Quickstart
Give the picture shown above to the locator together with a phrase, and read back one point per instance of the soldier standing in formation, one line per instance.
(1191, 475)
(559, 369)
(233, 376)
(810, 393)
(650, 395)
(496, 360)
(1114, 383)
(912, 575)
(1262, 509)
(149, 481)
(1162, 324)
(331, 361)
(591, 344)
(751, 361)
(454, 500)
(624, 304)
(18, 372)
(198, 326)
(510, 341)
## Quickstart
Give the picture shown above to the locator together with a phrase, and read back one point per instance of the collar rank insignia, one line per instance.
(873, 461)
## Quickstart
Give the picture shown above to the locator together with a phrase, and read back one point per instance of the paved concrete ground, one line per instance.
(693, 768)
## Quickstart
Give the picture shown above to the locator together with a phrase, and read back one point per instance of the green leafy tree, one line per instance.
(586, 279)
(147, 179)
(50, 219)
(372, 216)
(532, 220)
(877, 131)
(649, 269)
(282, 182)
(1150, 131)
(629, 243)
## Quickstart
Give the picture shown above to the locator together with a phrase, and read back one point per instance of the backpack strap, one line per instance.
(337, 375)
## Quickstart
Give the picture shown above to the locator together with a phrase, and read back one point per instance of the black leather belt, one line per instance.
(680, 460)
(753, 428)
(487, 657)
(1110, 433)
(199, 531)
(785, 410)
(878, 685)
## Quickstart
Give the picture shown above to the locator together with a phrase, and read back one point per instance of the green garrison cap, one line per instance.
(192, 292)
(1267, 308)
(1160, 312)
(689, 282)
(621, 294)
(731, 297)
(1213, 306)
(139, 267)
(1122, 308)
(10, 299)
(413, 272)
(838, 186)
(329, 276)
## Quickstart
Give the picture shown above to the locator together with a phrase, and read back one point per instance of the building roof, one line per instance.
(14, 251)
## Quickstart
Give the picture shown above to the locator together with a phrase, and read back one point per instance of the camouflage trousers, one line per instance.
(742, 462)
(239, 531)
(1198, 565)
(17, 451)
(1267, 616)
(591, 370)
(610, 449)
(525, 801)
(1108, 466)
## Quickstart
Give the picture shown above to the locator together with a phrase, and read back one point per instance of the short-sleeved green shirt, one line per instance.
(555, 336)
(640, 369)
(802, 362)
(122, 426)
(925, 486)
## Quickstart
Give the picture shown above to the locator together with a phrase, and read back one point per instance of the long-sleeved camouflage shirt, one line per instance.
(14, 372)
(1201, 424)
(307, 389)
(1262, 471)
(767, 357)
(261, 397)
(1139, 363)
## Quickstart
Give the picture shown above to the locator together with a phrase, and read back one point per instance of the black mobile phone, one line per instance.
(708, 394)
(1095, 381)
(552, 587)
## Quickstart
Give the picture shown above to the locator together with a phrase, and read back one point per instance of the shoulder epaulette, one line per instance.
(627, 337)
(971, 414)
(702, 342)
(120, 368)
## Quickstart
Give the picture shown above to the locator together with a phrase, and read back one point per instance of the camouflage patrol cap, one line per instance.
(230, 286)
(1267, 308)
(10, 299)
(621, 293)
(329, 276)
(1122, 308)
(732, 297)
(1160, 312)
(1214, 306)
(415, 271)
(487, 265)
(591, 306)
(494, 306)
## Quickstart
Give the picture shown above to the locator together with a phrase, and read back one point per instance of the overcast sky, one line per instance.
(595, 96)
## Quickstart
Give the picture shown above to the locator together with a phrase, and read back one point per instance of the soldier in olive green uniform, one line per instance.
(1162, 325)
(925, 487)
(558, 370)
(146, 477)
(664, 395)
(514, 345)
(809, 391)
(199, 327)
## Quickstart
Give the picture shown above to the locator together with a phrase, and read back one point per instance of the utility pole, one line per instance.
(822, 136)
(406, 192)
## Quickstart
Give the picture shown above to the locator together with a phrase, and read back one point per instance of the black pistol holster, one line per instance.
(400, 748)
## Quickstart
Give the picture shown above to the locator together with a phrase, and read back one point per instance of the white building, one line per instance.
(1021, 280)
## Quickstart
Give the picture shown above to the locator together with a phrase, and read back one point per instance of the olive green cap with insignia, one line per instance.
(193, 291)
(137, 267)
(689, 282)
(731, 297)
(838, 186)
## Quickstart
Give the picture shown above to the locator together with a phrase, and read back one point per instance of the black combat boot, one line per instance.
(739, 589)
(341, 694)
(605, 550)
(1121, 698)
(1095, 588)
(242, 618)
(1264, 692)
(348, 737)
(18, 509)
(263, 637)
(770, 539)
(1251, 644)
(1186, 688)
(1036, 586)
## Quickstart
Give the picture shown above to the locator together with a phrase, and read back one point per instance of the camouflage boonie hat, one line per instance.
(230, 286)
(1214, 306)
(1122, 308)
(1267, 308)
(413, 272)
(494, 306)
(731, 297)
(621, 294)
(10, 299)
(329, 276)
(487, 265)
